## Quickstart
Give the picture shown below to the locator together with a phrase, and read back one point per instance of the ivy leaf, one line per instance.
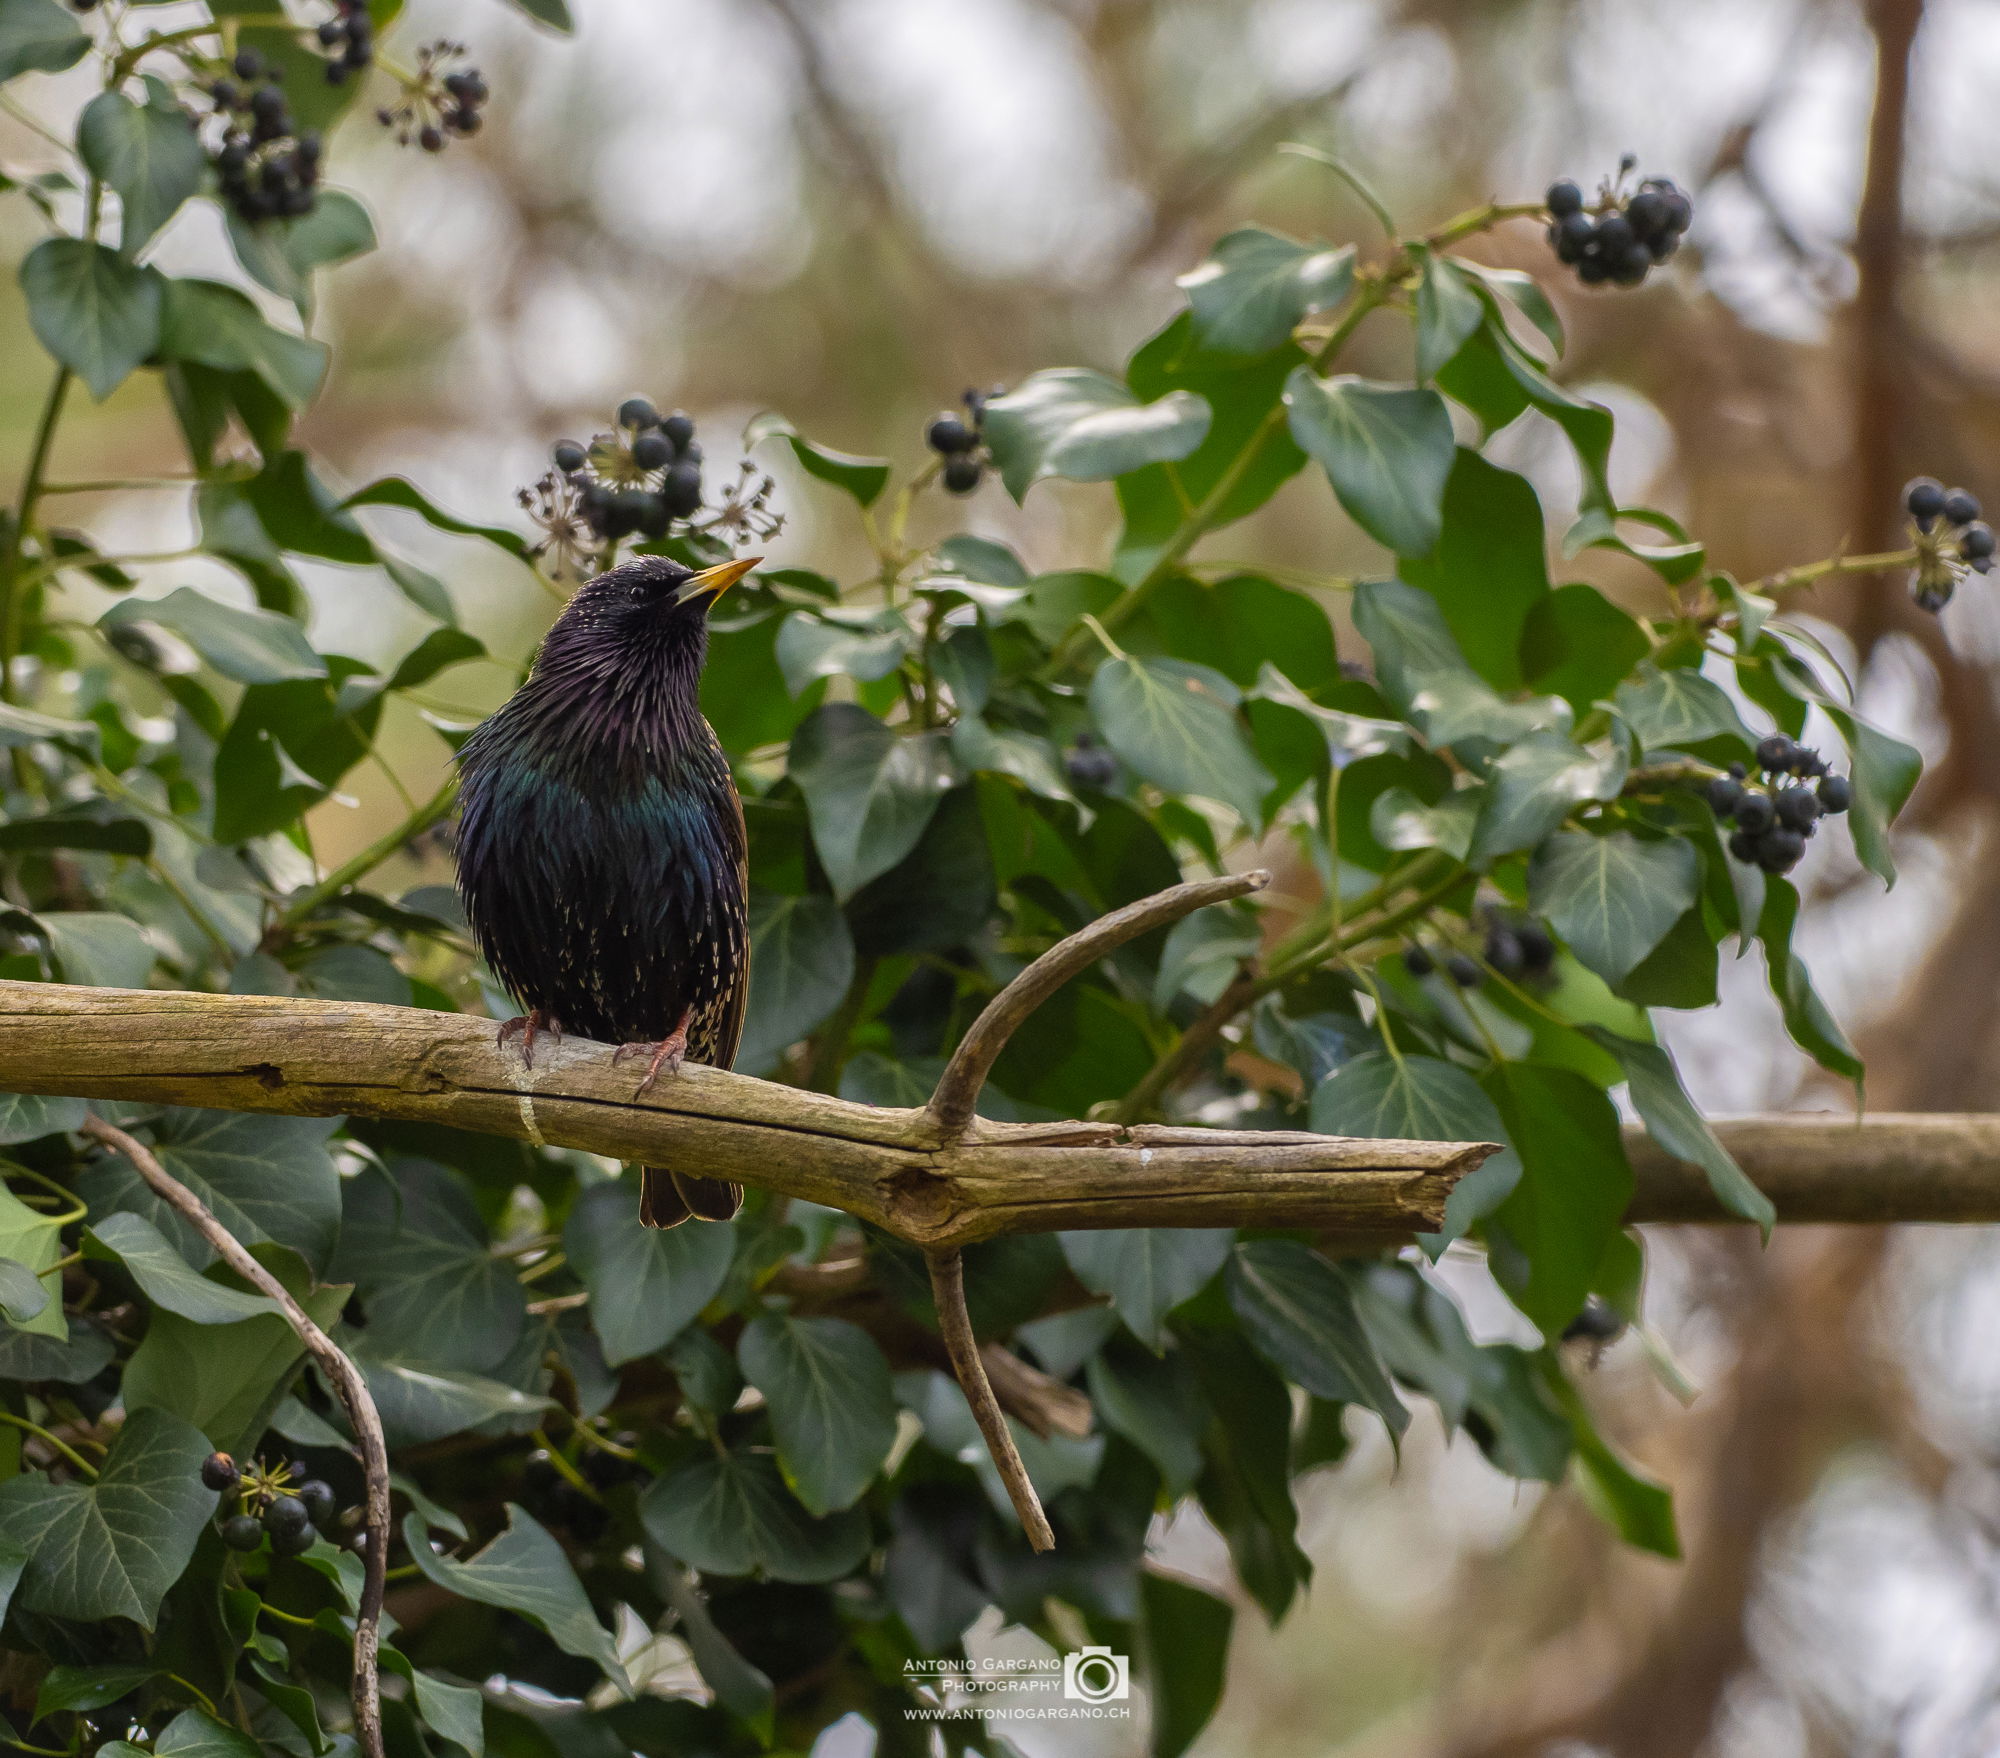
(869, 790)
(1677, 706)
(1147, 1271)
(733, 1516)
(24, 1297)
(553, 13)
(214, 325)
(1578, 645)
(251, 646)
(1812, 1027)
(1672, 1120)
(96, 313)
(1449, 313)
(420, 1401)
(148, 153)
(1532, 787)
(281, 255)
(395, 491)
(38, 36)
(1488, 572)
(1187, 1652)
(1883, 770)
(1497, 379)
(1299, 1312)
(97, 948)
(264, 1178)
(82, 1688)
(1613, 898)
(1153, 1402)
(1575, 1184)
(193, 1734)
(646, 1286)
(111, 1548)
(167, 1279)
(524, 1570)
(1082, 425)
(801, 963)
(833, 1408)
(860, 644)
(455, 1713)
(863, 478)
(1256, 286)
(33, 1241)
(1175, 724)
(27, 1117)
(1387, 451)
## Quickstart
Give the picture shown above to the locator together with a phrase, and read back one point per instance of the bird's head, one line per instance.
(647, 608)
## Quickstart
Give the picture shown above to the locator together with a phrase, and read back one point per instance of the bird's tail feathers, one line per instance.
(666, 1198)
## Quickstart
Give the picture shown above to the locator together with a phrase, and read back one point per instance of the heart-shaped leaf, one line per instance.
(1256, 286)
(869, 789)
(1387, 451)
(646, 1286)
(149, 153)
(95, 312)
(1175, 724)
(832, 1405)
(1081, 425)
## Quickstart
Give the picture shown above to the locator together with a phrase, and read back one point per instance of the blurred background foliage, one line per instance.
(852, 209)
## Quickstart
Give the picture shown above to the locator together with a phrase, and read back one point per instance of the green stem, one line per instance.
(1813, 572)
(829, 1048)
(24, 513)
(61, 1446)
(378, 851)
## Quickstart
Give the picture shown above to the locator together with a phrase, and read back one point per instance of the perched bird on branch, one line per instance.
(601, 851)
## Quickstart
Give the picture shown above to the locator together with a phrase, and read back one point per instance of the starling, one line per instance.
(601, 852)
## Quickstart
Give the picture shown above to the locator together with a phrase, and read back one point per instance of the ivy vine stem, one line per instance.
(432, 811)
(41, 1434)
(341, 1374)
(17, 531)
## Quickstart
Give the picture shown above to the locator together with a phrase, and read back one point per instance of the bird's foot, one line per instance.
(666, 1056)
(527, 1026)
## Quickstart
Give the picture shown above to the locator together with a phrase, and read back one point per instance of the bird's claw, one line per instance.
(526, 1026)
(665, 1057)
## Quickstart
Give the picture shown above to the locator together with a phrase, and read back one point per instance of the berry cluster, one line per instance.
(1514, 947)
(1775, 819)
(1951, 540)
(349, 40)
(637, 481)
(284, 1503)
(1088, 764)
(437, 104)
(959, 440)
(264, 167)
(1618, 238)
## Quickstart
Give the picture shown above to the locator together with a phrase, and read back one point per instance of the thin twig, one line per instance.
(951, 1106)
(347, 1382)
(955, 1324)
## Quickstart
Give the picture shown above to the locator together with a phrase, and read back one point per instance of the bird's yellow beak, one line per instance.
(712, 583)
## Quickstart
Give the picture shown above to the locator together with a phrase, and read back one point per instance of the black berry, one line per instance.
(1756, 813)
(1418, 962)
(949, 435)
(218, 1472)
(290, 1543)
(1564, 198)
(1778, 849)
(1572, 235)
(1538, 951)
(286, 1514)
(636, 412)
(654, 518)
(679, 430)
(243, 1532)
(682, 490)
(248, 64)
(1598, 1322)
(1836, 794)
(1647, 213)
(1614, 235)
(569, 457)
(962, 474)
(1776, 754)
(1743, 845)
(1924, 498)
(1089, 765)
(1503, 951)
(1798, 808)
(1960, 508)
(1463, 971)
(316, 1497)
(1724, 795)
(1976, 541)
(652, 451)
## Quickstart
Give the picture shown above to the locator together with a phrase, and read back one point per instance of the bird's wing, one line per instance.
(730, 1033)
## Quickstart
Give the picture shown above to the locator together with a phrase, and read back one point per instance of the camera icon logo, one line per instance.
(1096, 1675)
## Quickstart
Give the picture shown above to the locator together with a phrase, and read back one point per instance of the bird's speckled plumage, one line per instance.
(601, 849)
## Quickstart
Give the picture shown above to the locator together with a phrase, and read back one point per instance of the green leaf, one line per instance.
(111, 836)
(1494, 377)
(1676, 562)
(99, 949)
(1613, 897)
(438, 651)
(863, 478)
(149, 154)
(1533, 786)
(79, 1688)
(418, 1252)
(26, 1117)
(251, 646)
(1639, 1510)
(1578, 645)
(1449, 313)
(23, 726)
(1187, 1653)
(1400, 820)
(1299, 1312)
(98, 314)
(168, 1280)
(1082, 425)
(1175, 724)
(1672, 1120)
(1006, 750)
(1240, 625)
(455, 1713)
(1147, 1272)
(524, 1570)
(1153, 1402)
(33, 1241)
(1420, 1098)
(214, 325)
(264, 1178)
(112, 1548)
(193, 1734)
(1677, 706)
(553, 13)
(1387, 451)
(38, 36)
(394, 491)
(1575, 1184)
(302, 515)
(862, 644)
(869, 790)
(420, 1401)
(1812, 1027)
(1883, 771)
(1488, 572)
(733, 1516)
(1256, 286)
(801, 963)
(833, 1409)
(646, 1286)
(282, 254)
(24, 1297)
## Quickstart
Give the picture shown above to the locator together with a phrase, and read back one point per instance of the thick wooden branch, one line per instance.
(896, 1168)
